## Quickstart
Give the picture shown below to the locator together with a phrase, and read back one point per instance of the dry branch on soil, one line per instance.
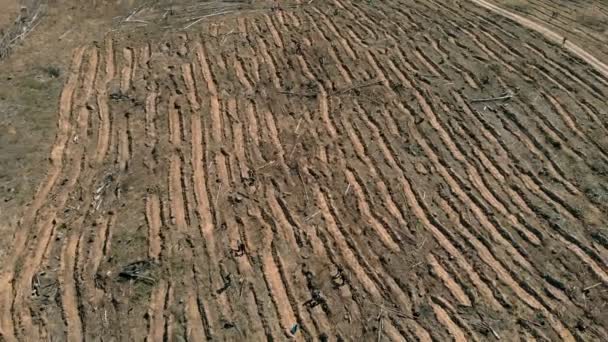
(29, 17)
(506, 96)
(183, 15)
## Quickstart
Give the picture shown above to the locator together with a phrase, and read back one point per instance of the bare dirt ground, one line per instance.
(10, 8)
(325, 170)
(584, 22)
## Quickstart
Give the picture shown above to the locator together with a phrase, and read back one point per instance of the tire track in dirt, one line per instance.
(262, 50)
(348, 81)
(97, 251)
(274, 135)
(362, 202)
(258, 318)
(194, 322)
(79, 140)
(293, 295)
(571, 123)
(154, 226)
(156, 313)
(472, 172)
(350, 176)
(530, 185)
(59, 153)
(201, 177)
(452, 286)
(485, 223)
(443, 317)
(332, 28)
(504, 275)
(448, 178)
(519, 172)
(345, 250)
(273, 31)
(514, 194)
(593, 114)
(285, 219)
(553, 168)
(549, 34)
(71, 304)
(69, 295)
(563, 69)
(197, 319)
(444, 55)
(236, 228)
(151, 139)
(272, 276)
(102, 104)
(422, 216)
(122, 120)
(218, 147)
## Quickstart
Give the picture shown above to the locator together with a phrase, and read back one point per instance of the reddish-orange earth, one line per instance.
(332, 170)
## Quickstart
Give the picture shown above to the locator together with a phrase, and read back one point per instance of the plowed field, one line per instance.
(334, 170)
(584, 22)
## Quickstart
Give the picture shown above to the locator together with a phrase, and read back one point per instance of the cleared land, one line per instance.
(584, 22)
(336, 170)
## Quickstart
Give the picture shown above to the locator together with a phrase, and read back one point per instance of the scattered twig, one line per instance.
(241, 288)
(199, 19)
(380, 325)
(295, 145)
(347, 190)
(530, 322)
(298, 126)
(137, 271)
(265, 165)
(485, 324)
(225, 36)
(23, 25)
(504, 97)
(312, 216)
(303, 186)
(129, 18)
(592, 286)
(354, 87)
(217, 197)
(421, 244)
(393, 311)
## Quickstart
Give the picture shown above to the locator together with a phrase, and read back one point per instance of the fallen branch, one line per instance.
(393, 311)
(592, 286)
(487, 326)
(380, 327)
(312, 216)
(504, 97)
(199, 19)
(354, 87)
(23, 25)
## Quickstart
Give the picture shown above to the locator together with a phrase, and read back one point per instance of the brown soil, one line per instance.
(583, 22)
(10, 9)
(331, 170)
